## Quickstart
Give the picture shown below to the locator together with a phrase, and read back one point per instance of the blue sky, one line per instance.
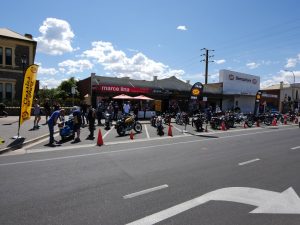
(164, 38)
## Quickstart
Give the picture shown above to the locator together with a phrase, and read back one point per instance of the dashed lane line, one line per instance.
(248, 162)
(146, 191)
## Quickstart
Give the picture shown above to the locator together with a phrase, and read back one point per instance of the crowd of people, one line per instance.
(82, 115)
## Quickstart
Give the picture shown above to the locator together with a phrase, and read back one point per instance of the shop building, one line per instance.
(234, 90)
(16, 53)
(282, 97)
(167, 92)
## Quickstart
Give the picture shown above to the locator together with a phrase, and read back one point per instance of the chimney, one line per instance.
(188, 81)
(28, 36)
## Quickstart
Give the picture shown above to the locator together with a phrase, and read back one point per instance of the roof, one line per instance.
(171, 83)
(276, 87)
(11, 34)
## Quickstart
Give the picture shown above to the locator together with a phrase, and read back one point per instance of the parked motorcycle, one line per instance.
(128, 123)
(159, 126)
(198, 121)
(108, 121)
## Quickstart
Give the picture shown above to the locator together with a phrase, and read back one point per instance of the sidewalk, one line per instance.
(9, 129)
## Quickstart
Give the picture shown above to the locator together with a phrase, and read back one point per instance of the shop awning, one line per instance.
(122, 96)
(142, 97)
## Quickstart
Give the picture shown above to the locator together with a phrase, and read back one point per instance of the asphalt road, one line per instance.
(139, 182)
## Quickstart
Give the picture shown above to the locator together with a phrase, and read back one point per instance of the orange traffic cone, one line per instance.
(285, 120)
(245, 125)
(100, 139)
(131, 135)
(274, 122)
(170, 131)
(223, 127)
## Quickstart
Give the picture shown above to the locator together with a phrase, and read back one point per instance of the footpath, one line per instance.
(28, 135)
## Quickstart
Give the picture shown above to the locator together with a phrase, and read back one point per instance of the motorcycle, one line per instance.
(108, 121)
(66, 129)
(198, 121)
(127, 123)
(153, 121)
(167, 118)
(159, 126)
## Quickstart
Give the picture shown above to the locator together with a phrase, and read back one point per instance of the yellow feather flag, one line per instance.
(28, 92)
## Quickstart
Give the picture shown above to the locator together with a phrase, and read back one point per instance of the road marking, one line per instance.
(108, 132)
(147, 133)
(39, 142)
(269, 202)
(181, 131)
(155, 147)
(295, 147)
(146, 191)
(247, 162)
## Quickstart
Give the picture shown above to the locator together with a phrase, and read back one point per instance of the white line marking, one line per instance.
(181, 131)
(295, 147)
(145, 191)
(247, 162)
(39, 142)
(155, 147)
(147, 133)
(107, 132)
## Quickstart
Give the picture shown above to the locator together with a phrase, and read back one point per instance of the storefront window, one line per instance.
(1, 91)
(8, 56)
(8, 91)
(1, 55)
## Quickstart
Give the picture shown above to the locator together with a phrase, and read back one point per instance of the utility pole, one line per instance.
(206, 60)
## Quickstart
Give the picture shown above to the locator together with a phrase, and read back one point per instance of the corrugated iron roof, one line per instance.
(9, 33)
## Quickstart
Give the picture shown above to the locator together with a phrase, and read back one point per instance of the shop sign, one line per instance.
(196, 90)
(121, 89)
(239, 83)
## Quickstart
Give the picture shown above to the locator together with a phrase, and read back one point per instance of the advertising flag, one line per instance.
(28, 92)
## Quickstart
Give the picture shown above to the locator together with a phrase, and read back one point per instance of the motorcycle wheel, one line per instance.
(268, 122)
(138, 127)
(121, 130)
(249, 123)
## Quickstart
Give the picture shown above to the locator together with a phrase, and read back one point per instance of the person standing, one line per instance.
(91, 119)
(100, 109)
(77, 124)
(51, 124)
(47, 109)
(37, 114)
(126, 108)
(83, 107)
(116, 110)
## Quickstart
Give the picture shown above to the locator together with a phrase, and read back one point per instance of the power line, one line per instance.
(206, 60)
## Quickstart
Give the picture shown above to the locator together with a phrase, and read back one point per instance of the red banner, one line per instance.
(121, 89)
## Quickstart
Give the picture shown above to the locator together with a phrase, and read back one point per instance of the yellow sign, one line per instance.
(196, 91)
(28, 92)
(157, 105)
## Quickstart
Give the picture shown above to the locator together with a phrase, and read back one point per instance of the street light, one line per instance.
(293, 85)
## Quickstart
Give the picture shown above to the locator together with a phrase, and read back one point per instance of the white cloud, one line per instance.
(181, 27)
(291, 62)
(50, 82)
(220, 61)
(71, 66)
(46, 71)
(285, 76)
(56, 37)
(252, 65)
(138, 66)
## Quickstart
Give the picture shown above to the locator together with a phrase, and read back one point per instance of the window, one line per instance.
(8, 56)
(8, 91)
(1, 55)
(1, 91)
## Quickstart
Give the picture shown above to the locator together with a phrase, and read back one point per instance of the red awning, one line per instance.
(142, 97)
(122, 96)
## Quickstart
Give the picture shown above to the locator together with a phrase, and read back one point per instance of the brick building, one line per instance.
(16, 53)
